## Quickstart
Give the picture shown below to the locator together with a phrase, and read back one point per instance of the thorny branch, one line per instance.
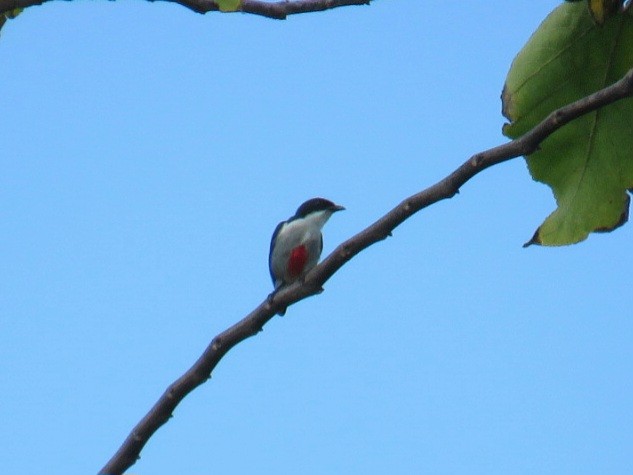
(250, 325)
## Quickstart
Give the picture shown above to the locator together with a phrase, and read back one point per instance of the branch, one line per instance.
(276, 10)
(253, 323)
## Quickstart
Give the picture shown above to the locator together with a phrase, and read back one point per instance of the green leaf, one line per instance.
(9, 15)
(589, 162)
(601, 10)
(229, 5)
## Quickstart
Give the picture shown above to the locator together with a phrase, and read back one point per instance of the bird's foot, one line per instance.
(271, 297)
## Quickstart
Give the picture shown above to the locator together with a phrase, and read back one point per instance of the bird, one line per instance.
(297, 243)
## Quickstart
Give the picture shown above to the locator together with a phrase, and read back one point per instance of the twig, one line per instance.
(275, 10)
(249, 326)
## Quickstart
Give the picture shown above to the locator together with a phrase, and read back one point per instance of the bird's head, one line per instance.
(317, 205)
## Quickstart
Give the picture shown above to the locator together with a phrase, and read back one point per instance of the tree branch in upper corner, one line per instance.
(277, 10)
(253, 323)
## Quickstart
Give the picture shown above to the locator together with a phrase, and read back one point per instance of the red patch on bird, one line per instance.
(297, 261)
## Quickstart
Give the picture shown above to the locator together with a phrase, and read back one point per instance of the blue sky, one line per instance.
(148, 153)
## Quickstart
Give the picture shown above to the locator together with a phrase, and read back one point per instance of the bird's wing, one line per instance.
(270, 252)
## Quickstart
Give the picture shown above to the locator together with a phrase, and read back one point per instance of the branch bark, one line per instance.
(253, 323)
(275, 10)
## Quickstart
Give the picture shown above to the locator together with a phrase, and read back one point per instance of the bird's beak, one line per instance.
(336, 208)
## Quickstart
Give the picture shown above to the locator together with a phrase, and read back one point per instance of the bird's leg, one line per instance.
(271, 295)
